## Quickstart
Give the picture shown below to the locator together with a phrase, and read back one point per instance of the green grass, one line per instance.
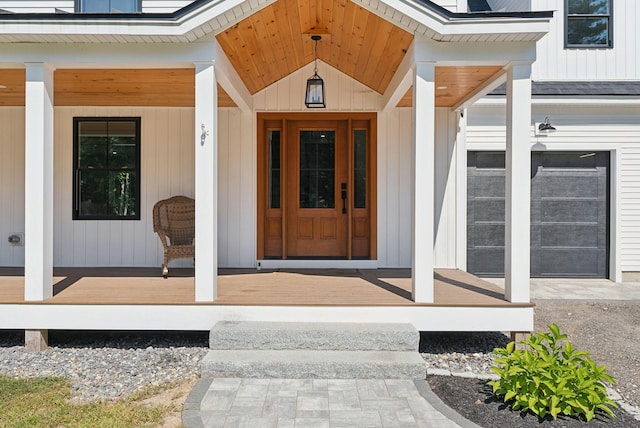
(44, 402)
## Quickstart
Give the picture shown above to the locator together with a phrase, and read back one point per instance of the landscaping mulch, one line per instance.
(474, 400)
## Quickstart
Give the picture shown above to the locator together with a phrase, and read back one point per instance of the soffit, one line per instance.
(112, 87)
(274, 42)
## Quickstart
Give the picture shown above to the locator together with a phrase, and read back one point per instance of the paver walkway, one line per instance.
(310, 403)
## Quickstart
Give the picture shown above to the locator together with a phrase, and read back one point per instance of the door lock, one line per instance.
(344, 197)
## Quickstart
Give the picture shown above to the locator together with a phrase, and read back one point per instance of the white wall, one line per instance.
(582, 128)
(11, 183)
(49, 6)
(621, 62)
(342, 92)
(167, 169)
(510, 5)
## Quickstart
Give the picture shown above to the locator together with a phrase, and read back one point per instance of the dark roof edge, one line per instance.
(198, 3)
(429, 4)
(603, 88)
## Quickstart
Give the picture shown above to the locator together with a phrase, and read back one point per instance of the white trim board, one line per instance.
(317, 264)
(203, 317)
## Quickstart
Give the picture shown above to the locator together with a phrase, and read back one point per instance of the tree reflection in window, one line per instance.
(588, 23)
(107, 164)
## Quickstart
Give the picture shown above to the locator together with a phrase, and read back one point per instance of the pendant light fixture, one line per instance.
(314, 97)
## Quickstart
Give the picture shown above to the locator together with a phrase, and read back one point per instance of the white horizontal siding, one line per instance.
(587, 128)
(36, 6)
(49, 6)
(11, 183)
(163, 6)
(554, 62)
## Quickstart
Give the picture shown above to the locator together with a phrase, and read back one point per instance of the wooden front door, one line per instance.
(316, 185)
(316, 189)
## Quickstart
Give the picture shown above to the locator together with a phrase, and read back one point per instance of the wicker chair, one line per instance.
(174, 222)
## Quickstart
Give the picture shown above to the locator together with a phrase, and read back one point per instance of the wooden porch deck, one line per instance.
(308, 287)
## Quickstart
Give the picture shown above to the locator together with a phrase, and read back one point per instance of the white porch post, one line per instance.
(423, 181)
(38, 226)
(518, 184)
(206, 185)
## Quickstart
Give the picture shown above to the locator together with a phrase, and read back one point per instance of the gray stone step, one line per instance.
(319, 336)
(304, 364)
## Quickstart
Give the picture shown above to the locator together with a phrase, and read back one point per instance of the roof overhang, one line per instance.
(206, 18)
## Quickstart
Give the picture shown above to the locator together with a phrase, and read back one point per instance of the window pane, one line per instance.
(317, 169)
(588, 31)
(588, 7)
(122, 151)
(109, 6)
(360, 168)
(274, 169)
(93, 186)
(106, 179)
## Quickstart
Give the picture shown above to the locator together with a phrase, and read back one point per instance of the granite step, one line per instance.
(319, 364)
(229, 335)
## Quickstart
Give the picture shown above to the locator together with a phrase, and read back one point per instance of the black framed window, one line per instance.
(589, 23)
(108, 6)
(106, 164)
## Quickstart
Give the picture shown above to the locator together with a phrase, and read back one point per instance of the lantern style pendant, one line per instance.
(314, 97)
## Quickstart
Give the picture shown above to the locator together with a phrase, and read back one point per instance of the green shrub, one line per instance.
(548, 378)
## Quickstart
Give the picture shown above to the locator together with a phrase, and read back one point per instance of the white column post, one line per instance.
(423, 182)
(38, 228)
(518, 184)
(206, 185)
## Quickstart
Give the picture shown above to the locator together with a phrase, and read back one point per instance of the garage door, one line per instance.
(569, 214)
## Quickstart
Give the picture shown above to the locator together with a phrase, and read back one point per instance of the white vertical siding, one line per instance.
(554, 62)
(237, 190)
(342, 92)
(394, 188)
(445, 189)
(588, 128)
(11, 183)
(167, 169)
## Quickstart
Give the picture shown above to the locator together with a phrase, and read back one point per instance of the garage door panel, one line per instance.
(567, 262)
(486, 261)
(487, 235)
(489, 186)
(569, 214)
(559, 186)
(566, 211)
(488, 210)
(567, 235)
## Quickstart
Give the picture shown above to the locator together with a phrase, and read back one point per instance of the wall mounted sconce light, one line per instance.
(546, 127)
(314, 97)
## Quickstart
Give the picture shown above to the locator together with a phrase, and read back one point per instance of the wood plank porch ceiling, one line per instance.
(276, 41)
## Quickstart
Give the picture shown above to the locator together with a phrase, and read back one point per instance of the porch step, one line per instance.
(305, 364)
(318, 336)
(313, 350)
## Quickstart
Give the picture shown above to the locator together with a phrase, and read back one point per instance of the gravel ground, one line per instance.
(108, 365)
(104, 366)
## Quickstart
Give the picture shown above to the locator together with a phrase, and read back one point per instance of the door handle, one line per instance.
(343, 187)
